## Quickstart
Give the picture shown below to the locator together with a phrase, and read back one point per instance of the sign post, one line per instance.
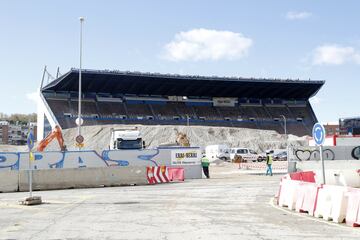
(30, 143)
(318, 133)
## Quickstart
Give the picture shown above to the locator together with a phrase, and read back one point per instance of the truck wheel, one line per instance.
(223, 159)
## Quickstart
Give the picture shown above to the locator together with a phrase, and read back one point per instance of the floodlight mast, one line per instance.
(80, 68)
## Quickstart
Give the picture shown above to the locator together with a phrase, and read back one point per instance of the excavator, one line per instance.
(182, 139)
(56, 133)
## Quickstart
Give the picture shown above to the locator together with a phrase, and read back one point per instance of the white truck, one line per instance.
(247, 154)
(125, 139)
(214, 152)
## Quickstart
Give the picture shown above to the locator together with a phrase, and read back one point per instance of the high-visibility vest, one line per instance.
(269, 159)
(205, 162)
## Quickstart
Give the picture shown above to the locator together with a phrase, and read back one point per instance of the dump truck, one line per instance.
(126, 138)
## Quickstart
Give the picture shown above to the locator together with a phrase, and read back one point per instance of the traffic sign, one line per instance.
(30, 140)
(79, 139)
(318, 134)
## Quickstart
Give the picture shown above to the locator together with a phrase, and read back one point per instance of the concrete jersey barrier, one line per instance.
(82, 178)
(9, 181)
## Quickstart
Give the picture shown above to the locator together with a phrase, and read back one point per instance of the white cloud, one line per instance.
(335, 55)
(207, 44)
(33, 96)
(298, 15)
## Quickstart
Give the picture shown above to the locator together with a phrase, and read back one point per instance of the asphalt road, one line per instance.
(230, 205)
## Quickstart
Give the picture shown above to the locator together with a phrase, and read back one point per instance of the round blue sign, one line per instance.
(30, 140)
(318, 133)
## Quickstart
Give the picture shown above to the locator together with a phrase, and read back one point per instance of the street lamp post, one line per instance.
(79, 101)
(287, 144)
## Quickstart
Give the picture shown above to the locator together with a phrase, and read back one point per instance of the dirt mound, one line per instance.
(98, 137)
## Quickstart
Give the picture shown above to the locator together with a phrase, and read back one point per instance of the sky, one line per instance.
(317, 40)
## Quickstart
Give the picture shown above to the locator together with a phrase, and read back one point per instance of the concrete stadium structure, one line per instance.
(116, 97)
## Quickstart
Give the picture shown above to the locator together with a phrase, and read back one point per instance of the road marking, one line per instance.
(307, 216)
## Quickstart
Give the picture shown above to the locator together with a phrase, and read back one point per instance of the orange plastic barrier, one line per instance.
(176, 174)
(353, 208)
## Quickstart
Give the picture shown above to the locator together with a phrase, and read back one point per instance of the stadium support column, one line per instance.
(79, 101)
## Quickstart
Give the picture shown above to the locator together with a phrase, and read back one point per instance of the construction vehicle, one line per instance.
(125, 139)
(219, 151)
(56, 133)
(181, 139)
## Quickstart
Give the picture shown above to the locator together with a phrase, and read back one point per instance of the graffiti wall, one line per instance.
(83, 159)
(329, 153)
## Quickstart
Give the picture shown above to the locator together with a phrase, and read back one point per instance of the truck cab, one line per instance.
(121, 139)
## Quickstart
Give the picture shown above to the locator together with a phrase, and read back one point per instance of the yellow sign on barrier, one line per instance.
(79, 145)
(31, 156)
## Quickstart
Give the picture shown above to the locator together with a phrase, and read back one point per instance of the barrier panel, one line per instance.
(157, 175)
(332, 203)
(288, 193)
(295, 176)
(308, 176)
(346, 178)
(353, 208)
(337, 203)
(150, 175)
(307, 197)
(350, 178)
(82, 178)
(176, 174)
(9, 181)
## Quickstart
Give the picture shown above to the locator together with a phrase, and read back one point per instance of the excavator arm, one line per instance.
(56, 133)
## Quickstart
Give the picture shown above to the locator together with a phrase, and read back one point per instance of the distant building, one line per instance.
(332, 128)
(15, 134)
(349, 126)
(4, 132)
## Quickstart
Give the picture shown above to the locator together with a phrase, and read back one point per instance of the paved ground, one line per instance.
(231, 205)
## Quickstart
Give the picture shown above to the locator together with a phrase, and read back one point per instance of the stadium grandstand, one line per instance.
(117, 97)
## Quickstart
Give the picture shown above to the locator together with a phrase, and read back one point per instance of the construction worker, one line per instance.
(269, 161)
(205, 165)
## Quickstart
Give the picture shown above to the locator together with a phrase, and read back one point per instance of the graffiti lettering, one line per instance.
(306, 154)
(355, 153)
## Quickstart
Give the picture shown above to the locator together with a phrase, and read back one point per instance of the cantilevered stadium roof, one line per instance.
(118, 82)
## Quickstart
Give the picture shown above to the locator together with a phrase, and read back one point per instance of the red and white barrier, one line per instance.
(176, 174)
(306, 200)
(277, 165)
(346, 178)
(303, 176)
(353, 208)
(158, 174)
(288, 193)
(332, 203)
(338, 203)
